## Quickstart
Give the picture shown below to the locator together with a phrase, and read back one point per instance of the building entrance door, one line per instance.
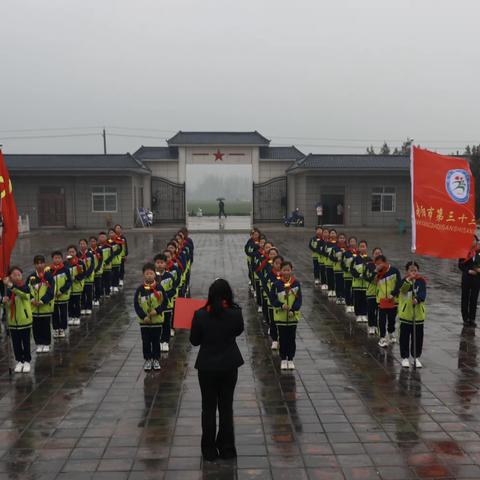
(51, 207)
(333, 209)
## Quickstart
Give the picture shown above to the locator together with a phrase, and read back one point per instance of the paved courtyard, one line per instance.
(88, 411)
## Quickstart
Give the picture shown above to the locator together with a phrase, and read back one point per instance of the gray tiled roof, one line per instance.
(157, 153)
(218, 138)
(73, 162)
(354, 162)
(280, 153)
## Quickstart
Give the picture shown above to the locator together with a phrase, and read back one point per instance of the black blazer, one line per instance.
(216, 336)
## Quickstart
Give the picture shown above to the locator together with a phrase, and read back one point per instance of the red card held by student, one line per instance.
(185, 308)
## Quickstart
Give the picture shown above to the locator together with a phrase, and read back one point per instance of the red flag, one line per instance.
(443, 205)
(185, 309)
(8, 218)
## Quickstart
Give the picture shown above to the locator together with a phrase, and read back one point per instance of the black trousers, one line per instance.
(470, 290)
(41, 329)
(217, 392)
(330, 278)
(115, 275)
(348, 292)
(360, 302)
(372, 311)
(258, 291)
(87, 297)
(273, 325)
(21, 344)
(339, 285)
(107, 282)
(288, 345)
(122, 269)
(151, 342)
(60, 316)
(386, 315)
(74, 305)
(406, 339)
(323, 274)
(316, 269)
(167, 325)
(98, 288)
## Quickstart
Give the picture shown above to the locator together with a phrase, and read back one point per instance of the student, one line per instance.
(61, 290)
(314, 246)
(250, 248)
(332, 241)
(322, 258)
(77, 274)
(336, 256)
(286, 298)
(87, 258)
(98, 271)
(359, 284)
(260, 272)
(274, 275)
(470, 267)
(117, 250)
(264, 274)
(258, 256)
(346, 263)
(411, 312)
(19, 317)
(119, 232)
(166, 280)
(41, 284)
(150, 301)
(388, 283)
(372, 306)
(107, 257)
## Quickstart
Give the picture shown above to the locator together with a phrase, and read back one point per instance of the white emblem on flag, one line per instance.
(457, 184)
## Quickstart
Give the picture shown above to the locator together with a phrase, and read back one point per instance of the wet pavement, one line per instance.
(88, 411)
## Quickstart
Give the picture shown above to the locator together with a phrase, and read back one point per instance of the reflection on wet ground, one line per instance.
(348, 411)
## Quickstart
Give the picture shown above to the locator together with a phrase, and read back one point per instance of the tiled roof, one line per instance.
(156, 153)
(280, 153)
(218, 138)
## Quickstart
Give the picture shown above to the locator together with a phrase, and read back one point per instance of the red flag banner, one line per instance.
(443, 204)
(8, 218)
(185, 309)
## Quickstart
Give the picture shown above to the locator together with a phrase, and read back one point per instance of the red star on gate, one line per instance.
(219, 155)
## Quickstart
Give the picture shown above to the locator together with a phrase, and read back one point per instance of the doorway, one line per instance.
(333, 209)
(51, 207)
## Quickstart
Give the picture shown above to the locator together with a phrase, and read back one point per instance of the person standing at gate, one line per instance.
(470, 268)
(215, 328)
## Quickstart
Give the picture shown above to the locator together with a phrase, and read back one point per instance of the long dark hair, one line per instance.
(220, 296)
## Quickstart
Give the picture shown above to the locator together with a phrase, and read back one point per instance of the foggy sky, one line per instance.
(328, 72)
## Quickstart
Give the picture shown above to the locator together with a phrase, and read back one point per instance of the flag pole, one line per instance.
(413, 249)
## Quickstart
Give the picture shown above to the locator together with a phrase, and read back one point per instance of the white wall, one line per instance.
(273, 168)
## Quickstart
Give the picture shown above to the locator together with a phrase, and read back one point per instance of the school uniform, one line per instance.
(470, 286)
(258, 257)
(41, 286)
(371, 292)
(124, 259)
(313, 245)
(61, 289)
(388, 284)
(150, 297)
(77, 274)
(346, 264)
(410, 315)
(287, 293)
(88, 260)
(262, 274)
(270, 279)
(117, 249)
(167, 282)
(336, 258)
(321, 261)
(329, 267)
(107, 257)
(98, 274)
(250, 248)
(359, 285)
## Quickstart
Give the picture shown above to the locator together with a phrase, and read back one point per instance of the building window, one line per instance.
(104, 199)
(384, 199)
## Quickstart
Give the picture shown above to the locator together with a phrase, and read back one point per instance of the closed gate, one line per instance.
(168, 201)
(270, 200)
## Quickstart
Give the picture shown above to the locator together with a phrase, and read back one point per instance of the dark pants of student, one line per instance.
(330, 278)
(288, 345)
(122, 269)
(339, 285)
(258, 291)
(87, 296)
(372, 311)
(74, 305)
(21, 344)
(167, 325)
(386, 320)
(115, 275)
(470, 290)
(217, 392)
(316, 269)
(98, 288)
(323, 274)
(107, 282)
(41, 329)
(348, 292)
(273, 325)
(406, 339)
(360, 302)
(60, 316)
(151, 336)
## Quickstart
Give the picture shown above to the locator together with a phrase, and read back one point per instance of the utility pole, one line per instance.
(104, 135)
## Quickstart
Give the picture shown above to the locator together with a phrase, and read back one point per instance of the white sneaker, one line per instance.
(120, 282)
(71, 321)
(284, 365)
(418, 363)
(324, 287)
(338, 301)
(392, 338)
(164, 347)
(291, 365)
(147, 366)
(172, 332)
(96, 303)
(317, 282)
(61, 333)
(364, 319)
(26, 367)
(83, 312)
(383, 342)
(405, 363)
(371, 330)
(18, 367)
(88, 312)
(77, 322)
(55, 333)
(351, 309)
(359, 319)
(156, 365)
(259, 309)
(274, 345)
(39, 349)
(116, 289)
(46, 348)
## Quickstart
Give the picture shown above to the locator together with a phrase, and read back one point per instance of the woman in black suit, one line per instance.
(215, 328)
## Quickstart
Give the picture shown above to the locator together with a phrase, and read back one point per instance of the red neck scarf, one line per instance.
(153, 286)
(56, 268)
(381, 274)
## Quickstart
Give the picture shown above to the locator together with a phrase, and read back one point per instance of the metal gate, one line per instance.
(168, 201)
(270, 200)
